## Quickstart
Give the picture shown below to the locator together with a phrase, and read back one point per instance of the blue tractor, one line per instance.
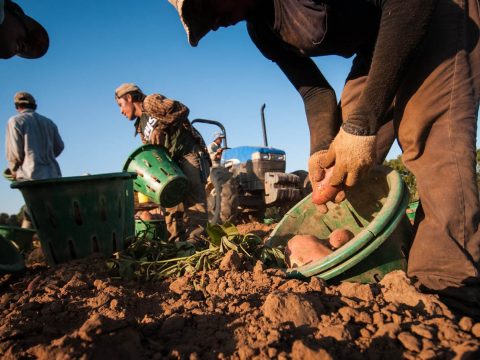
(250, 180)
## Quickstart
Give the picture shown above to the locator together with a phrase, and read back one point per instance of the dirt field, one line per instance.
(241, 311)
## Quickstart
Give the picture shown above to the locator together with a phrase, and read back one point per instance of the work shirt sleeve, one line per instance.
(58, 144)
(318, 96)
(212, 149)
(14, 145)
(167, 111)
(403, 26)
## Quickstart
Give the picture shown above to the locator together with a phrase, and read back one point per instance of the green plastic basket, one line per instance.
(151, 229)
(374, 211)
(11, 260)
(22, 238)
(159, 177)
(77, 216)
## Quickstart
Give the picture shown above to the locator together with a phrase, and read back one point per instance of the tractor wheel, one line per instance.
(256, 216)
(222, 196)
(305, 184)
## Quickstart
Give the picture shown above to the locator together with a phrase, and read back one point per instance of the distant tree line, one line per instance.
(410, 180)
(6, 219)
(407, 176)
(11, 220)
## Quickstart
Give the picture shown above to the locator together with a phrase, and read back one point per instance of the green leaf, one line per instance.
(272, 256)
(125, 269)
(228, 245)
(184, 249)
(253, 239)
(215, 233)
(230, 229)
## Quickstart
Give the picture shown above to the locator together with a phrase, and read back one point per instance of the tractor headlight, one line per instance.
(280, 157)
(260, 156)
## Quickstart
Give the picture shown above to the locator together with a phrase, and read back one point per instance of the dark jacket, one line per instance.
(383, 34)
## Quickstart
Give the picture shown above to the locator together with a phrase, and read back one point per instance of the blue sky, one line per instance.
(97, 45)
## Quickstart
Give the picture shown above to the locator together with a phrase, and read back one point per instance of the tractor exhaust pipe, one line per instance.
(262, 113)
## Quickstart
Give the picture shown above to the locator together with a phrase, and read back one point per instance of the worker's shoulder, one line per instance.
(155, 98)
(19, 118)
(43, 118)
(13, 119)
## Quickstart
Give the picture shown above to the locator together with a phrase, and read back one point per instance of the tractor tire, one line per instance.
(222, 196)
(305, 184)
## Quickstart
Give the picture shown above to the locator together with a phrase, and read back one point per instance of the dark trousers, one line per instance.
(187, 221)
(435, 122)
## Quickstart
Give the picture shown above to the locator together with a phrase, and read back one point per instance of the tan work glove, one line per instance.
(353, 156)
(322, 191)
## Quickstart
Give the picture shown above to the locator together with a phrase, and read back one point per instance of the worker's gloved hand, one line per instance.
(322, 191)
(352, 155)
(156, 137)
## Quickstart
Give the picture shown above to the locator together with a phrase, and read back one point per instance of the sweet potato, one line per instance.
(322, 191)
(303, 249)
(145, 215)
(340, 237)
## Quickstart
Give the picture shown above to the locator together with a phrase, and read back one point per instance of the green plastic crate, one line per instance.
(22, 238)
(11, 260)
(77, 216)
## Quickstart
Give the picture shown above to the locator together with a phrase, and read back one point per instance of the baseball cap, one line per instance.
(218, 134)
(23, 97)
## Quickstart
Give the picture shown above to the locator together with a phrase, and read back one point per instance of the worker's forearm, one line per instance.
(58, 144)
(14, 145)
(14, 158)
(13, 165)
(403, 26)
(319, 99)
(323, 123)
